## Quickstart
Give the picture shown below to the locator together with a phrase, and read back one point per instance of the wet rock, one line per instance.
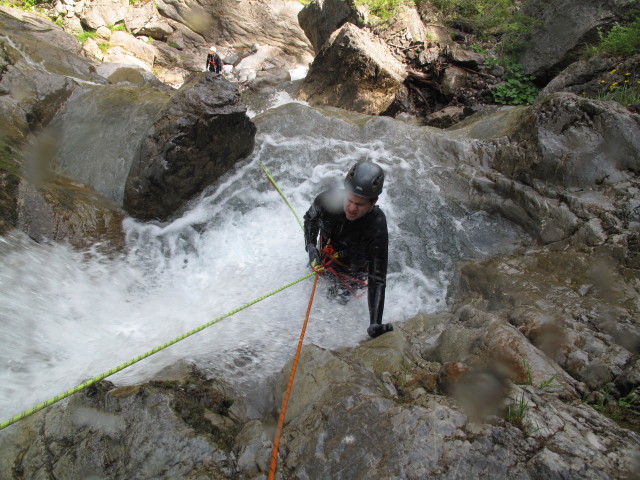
(354, 71)
(195, 138)
(142, 434)
(62, 210)
(76, 128)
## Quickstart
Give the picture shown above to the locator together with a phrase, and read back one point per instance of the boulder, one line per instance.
(98, 150)
(463, 57)
(266, 81)
(125, 48)
(104, 13)
(144, 20)
(406, 27)
(264, 57)
(355, 71)
(561, 29)
(196, 137)
(320, 18)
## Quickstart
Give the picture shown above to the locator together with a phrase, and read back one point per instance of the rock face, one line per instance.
(196, 137)
(320, 18)
(584, 326)
(586, 149)
(562, 28)
(143, 430)
(354, 71)
(103, 13)
(233, 23)
(374, 411)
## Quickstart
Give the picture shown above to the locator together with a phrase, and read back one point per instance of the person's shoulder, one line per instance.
(378, 213)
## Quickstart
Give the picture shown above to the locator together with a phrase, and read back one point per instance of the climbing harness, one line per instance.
(122, 366)
(329, 257)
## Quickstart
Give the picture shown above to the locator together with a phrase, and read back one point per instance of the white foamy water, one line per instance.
(67, 316)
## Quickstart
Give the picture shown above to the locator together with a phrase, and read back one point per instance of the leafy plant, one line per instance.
(517, 89)
(548, 382)
(620, 40)
(477, 49)
(516, 412)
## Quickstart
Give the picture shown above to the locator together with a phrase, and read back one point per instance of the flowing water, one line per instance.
(67, 316)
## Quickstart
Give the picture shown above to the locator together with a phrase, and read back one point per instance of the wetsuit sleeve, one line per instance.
(379, 254)
(312, 223)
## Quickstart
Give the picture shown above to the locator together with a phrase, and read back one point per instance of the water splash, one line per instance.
(68, 316)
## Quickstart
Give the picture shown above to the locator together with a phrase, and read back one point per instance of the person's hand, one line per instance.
(314, 255)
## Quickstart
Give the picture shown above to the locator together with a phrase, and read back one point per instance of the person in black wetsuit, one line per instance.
(350, 221)
(214, 62)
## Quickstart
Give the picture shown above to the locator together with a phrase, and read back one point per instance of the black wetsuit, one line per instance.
(362, 244)
(214, 63)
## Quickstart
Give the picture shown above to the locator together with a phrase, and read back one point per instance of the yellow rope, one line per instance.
(273, 182)
(122, 366)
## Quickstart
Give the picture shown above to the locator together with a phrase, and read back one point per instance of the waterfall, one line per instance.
(68, 316)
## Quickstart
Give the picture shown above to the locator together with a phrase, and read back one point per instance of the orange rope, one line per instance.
(287, 393)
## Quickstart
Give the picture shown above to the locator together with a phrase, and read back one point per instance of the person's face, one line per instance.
(356, 207)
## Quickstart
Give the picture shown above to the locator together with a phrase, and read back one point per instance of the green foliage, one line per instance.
(623, 88)
(24, 4)
(548, 382)
(620, 40)
(173, 45)
(383, 9)
(488, 20)
(477, 49)
(517, 89)
(82, 37)
(118, 28)
(486, 16)
(516, 412)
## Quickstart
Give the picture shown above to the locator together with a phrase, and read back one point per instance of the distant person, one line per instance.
(214, 62)
(354, 241)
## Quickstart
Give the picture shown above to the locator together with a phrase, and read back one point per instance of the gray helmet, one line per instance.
(365, 180)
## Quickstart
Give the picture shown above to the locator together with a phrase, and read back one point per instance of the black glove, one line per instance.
(314, 255)
(376, 329)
